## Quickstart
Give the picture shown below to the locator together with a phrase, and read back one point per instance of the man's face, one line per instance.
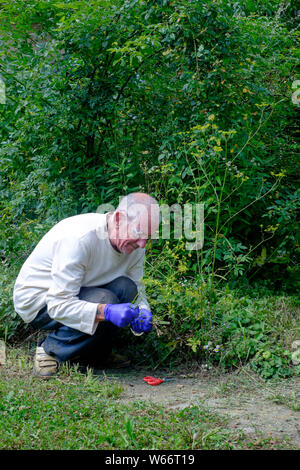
(131, 240)
(127, 237)
(130, 237)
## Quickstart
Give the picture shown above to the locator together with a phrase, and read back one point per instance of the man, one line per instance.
(81, 280)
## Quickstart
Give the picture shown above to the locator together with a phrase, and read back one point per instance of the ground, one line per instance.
(202, 408)
(252, 405)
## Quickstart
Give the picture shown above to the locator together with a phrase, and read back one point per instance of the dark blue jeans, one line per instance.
(68, 344)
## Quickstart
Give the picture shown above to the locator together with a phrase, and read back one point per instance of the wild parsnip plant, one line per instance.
(230, 328)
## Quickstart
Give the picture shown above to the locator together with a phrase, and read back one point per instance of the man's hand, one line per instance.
(143, 322)
(120, 314)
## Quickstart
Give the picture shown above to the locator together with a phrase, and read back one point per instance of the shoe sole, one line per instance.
(46, 377)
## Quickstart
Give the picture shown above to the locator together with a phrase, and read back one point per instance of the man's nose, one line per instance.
(142, 242)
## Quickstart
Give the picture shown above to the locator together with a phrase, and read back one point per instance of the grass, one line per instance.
(290, 400)
(80, 411)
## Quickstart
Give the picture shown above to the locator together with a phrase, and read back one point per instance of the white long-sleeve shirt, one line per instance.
(75, 253)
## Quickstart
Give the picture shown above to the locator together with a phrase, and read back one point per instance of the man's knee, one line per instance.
(98, 295)
(127, 287)
(126, 283)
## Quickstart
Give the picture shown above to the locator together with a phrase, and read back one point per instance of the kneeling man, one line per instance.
(83, 282)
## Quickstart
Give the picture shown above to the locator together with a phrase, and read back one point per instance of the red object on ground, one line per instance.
(153, 380)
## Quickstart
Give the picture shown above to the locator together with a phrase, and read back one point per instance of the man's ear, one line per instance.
(120, 221)
(119, 217)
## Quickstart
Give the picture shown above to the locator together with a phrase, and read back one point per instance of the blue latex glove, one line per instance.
(143, 322)
(120, 314)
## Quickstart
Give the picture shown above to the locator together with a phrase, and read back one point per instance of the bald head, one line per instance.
(139, 205)
(134, 221)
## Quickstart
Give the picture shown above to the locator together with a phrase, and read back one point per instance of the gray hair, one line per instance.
(135, 205)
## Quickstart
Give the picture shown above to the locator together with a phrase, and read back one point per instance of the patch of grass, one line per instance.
(80, 411)
(290, 400)
(269, 443)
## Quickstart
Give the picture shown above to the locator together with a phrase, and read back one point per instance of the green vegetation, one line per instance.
(290, 400)
(237, 327)
(190, 101)
(75, 411)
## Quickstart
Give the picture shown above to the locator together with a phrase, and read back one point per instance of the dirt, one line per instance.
(250, 404)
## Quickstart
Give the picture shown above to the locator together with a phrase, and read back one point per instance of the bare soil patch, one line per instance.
(250, 404)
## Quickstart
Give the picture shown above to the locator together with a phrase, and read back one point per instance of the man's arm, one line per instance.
(69, 264)
(100, 313)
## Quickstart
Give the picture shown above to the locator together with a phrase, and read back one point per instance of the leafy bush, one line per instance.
(189, 101)
(234, 328)
(229, 326)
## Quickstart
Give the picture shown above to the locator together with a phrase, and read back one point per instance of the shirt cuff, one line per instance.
(87, 323)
